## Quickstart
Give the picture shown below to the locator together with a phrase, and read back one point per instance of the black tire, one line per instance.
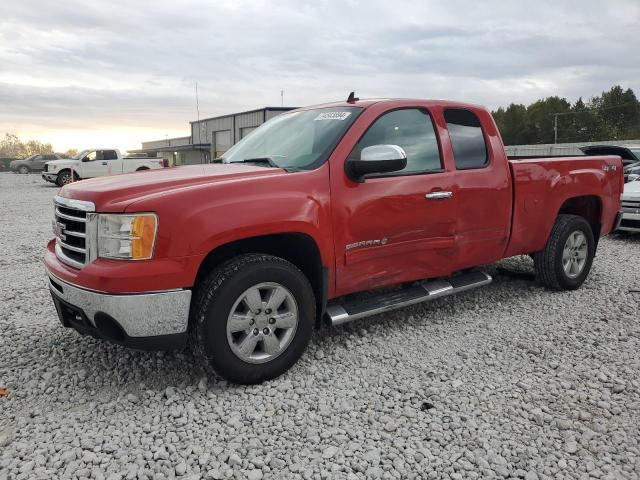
(63, 178)
(216, 295)
(24, 170)
(548, 262)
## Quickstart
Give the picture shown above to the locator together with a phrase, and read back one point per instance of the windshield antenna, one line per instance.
(352, 98)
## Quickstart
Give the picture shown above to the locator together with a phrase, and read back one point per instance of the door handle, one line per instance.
(438, 195)
(104, 163)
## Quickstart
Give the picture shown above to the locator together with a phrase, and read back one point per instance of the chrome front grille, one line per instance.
(46, 168)
(74, 228)
(631, 206)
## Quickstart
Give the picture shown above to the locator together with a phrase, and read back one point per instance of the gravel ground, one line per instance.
(509, 381)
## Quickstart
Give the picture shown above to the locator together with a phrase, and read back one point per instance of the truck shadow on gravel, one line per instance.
(91, 365)
(98, 366)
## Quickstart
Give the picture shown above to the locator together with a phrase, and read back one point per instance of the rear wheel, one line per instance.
(566, 259)
(23, 170)
(252, 318)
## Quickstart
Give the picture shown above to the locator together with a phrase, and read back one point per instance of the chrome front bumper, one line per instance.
(149, 321)
(50, 177)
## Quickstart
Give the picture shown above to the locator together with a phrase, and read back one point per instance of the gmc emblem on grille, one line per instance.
(58, 230)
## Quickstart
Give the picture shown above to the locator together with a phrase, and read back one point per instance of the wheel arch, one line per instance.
(74, 173)
(298, 248)
(588, 207)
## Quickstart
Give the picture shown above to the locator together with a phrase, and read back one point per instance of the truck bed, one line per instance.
(544, 187)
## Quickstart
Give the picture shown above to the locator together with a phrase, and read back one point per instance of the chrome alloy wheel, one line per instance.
(574, 255)
(262, 322)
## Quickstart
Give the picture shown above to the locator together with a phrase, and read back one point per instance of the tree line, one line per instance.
(12, 147)
(613, 115)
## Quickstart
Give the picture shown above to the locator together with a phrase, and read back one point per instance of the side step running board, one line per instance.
(346, 311)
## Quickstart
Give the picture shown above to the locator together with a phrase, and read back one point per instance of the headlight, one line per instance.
(53, 167)
(127, 237)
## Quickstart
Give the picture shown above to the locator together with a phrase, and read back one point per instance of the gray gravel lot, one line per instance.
(509, 381)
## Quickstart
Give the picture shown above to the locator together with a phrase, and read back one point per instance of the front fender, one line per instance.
(197, 219)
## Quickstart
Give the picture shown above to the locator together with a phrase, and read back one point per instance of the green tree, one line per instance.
(541, 118)
(614, 115)
(33, 147)
(72, 152)
(620, 112)
(586, 123)
(12, 146)
(512, 123)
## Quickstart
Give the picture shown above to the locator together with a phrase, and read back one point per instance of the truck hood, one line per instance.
(114, 193)
(59, 164)
(631, 190)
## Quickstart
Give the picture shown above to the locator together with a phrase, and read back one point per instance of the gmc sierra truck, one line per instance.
(96, 163)
(241, 260)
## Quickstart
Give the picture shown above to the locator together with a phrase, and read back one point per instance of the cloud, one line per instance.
(103, 65)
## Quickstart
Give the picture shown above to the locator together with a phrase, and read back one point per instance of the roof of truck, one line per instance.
(367, 102)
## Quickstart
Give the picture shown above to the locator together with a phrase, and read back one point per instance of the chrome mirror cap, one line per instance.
(382, 152)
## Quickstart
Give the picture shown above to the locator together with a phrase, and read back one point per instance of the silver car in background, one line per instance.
(631, 205)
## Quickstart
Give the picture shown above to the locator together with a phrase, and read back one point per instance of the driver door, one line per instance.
(399, 226)
(92, 164)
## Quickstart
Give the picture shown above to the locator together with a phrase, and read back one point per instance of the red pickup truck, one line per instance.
(242, 259)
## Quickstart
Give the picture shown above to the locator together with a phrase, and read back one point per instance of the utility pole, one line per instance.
(555, 123)
(282, 98)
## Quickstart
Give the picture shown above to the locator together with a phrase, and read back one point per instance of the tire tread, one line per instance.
(207, 291)
(546, 260)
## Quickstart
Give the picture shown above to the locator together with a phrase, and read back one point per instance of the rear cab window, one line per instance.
(467, 139)
(110, 155)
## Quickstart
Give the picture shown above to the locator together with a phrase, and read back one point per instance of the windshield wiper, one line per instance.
(268, 160)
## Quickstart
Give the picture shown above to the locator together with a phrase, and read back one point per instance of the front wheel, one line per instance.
(23, 170)
(64, 178)
(566, 259)
(252, 318)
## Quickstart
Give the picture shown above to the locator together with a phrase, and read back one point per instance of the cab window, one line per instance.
(411, 129)
(467, 139)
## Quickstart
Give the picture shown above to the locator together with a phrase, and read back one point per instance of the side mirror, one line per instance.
(376, 159)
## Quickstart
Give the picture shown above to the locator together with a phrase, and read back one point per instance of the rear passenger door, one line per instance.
(112, 162)
(484, 196)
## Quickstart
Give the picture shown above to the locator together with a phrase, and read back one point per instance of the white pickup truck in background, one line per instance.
(96, 163)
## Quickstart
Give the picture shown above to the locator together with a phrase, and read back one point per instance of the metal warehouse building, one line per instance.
(210, 137)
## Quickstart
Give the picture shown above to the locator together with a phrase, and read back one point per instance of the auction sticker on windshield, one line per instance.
(332, 116)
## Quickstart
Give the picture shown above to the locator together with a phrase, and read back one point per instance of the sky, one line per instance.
(116, 73)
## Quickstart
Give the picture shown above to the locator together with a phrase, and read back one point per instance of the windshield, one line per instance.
(80, 155)
(297, 140)
(636, 153)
